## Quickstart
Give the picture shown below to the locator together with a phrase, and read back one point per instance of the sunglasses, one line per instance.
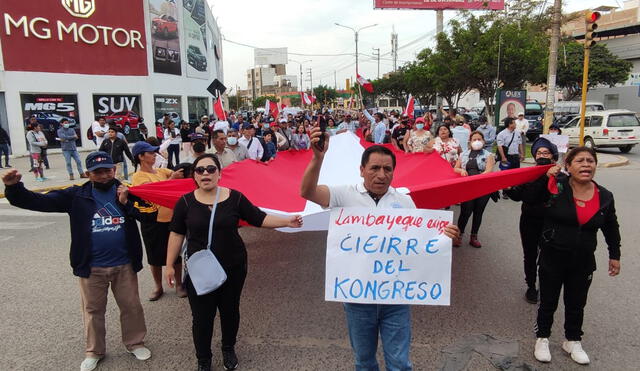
(211, 169)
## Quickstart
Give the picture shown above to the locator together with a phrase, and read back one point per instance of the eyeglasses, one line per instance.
(211, 169)
(543, 153)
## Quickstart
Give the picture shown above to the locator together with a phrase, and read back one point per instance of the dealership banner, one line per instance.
(167, 104)
(510, 103)
(122, 110)
(195, 31)
(49, 110)
(440, 4)
(94, 37)
(165, 36)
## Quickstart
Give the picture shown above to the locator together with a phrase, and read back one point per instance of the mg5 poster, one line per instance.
(48, 110)
(165, 37)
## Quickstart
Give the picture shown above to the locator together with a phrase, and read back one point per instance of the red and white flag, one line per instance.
(430, 181)
(306, 99)
(410, 107)
(219, 109)
(366, 84)
(272, 108)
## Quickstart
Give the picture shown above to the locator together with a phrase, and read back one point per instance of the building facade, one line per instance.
(129, 61)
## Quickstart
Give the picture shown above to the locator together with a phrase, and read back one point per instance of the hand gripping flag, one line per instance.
(426, 178)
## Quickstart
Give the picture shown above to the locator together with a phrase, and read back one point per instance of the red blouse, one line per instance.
(585, 209)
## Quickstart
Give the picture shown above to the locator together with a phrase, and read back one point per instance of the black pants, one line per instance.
(226, 299)
(530, 232)
(475, 207)
(173, 150)
(576, 282)
(45, 158)
(514, 161)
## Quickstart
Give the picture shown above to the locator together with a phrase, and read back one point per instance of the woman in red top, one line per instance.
(575, 209)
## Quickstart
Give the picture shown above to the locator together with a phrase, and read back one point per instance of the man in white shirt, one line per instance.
(510, 140)
(522, 126)
(366, 321)
(254, 147)
(100, 130)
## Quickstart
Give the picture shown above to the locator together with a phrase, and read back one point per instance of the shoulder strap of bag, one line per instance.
(213, 212)
(512, 136)
(249, 145)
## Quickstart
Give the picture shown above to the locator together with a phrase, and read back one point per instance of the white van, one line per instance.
(572, 107)
(612, 128)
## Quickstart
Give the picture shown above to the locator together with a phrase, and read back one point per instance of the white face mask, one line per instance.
(232, 141)
(477, 145)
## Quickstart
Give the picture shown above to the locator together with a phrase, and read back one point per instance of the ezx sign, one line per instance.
(97, 37)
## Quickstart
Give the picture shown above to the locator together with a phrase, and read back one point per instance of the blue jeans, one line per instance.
(4, 148)
(68, 155)
(393, 322)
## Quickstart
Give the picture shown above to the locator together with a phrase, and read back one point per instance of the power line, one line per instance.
(288, 53)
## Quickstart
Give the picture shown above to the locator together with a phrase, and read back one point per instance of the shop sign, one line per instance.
(48, 110)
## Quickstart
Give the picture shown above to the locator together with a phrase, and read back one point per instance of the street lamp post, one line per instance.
(356, 32)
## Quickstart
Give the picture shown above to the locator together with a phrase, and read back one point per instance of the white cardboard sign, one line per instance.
(388, 256)
(561, 141)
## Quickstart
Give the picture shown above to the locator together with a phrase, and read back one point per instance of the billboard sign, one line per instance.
(48, 110)
(49, 36)
(195, 31)
(440, 4)
(123, 110)
(171, 105)
(510, 102)
(264, 56)
(165, 37)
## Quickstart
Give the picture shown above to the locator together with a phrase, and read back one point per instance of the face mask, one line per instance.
(477, 145)
(66, 126)
(104, 186)
(232, 141)
(199, 147)
(543, 161)
(419, 126)
(266, 126)
(553, 132)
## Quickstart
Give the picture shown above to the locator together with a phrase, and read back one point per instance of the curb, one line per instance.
(621, 161)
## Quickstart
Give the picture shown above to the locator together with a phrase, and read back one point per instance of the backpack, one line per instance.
(90, 133)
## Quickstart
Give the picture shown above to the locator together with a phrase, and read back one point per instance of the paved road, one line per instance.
(286, 324)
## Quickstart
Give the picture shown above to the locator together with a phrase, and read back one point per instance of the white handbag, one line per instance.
(203, 268)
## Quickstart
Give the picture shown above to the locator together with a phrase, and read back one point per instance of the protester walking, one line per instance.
(5, 143)
(575, 209)
(105, 250)
(366, 321)
(172, 135)
(116, 148)
(100, 130)
(155, 234)
(532, 217)
(68, 137)
(475, 160)
(37, 143)
(193, 217)
(224, 154)
(185, 134)
(238, 149)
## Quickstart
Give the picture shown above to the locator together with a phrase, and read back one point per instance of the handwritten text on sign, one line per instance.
(388, 256)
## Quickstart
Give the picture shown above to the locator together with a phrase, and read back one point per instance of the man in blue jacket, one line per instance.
(68, 136)
(105, 249)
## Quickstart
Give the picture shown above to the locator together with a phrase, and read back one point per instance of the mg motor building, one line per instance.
(127, 60)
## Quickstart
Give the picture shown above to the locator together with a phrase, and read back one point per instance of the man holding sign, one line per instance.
(365, 321)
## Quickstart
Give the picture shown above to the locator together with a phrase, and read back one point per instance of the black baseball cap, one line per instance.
(98, 160)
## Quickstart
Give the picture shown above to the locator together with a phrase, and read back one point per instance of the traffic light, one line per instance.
(590, 27)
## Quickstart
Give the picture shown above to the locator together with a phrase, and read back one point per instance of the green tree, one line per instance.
(604, 68)
(325, 94)
(260, 101)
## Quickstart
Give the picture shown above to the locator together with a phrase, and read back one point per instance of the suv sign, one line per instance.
(80, 8)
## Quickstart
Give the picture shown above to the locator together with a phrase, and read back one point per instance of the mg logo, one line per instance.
(80, 8)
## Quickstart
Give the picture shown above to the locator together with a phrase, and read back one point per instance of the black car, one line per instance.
(534, 114)
(196, 59)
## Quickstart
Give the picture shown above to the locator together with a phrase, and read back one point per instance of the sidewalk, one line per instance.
(58, 178)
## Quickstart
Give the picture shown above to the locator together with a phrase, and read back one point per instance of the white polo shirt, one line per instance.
(357, 195)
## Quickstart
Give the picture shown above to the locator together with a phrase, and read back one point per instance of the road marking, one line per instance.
(5, 238)
(31, 225)
(22, 212)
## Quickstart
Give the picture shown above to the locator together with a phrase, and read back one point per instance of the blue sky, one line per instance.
(307, 27)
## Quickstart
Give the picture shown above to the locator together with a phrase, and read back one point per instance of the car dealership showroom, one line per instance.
(128, 61)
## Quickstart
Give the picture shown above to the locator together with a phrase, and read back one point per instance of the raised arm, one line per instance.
(309, 188)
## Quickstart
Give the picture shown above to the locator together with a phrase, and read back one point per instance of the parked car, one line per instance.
(605, 129)
(564, 111)
(51, 123)
(126, 120)
(534, 113)
(166, 55)
(196, 59)
(165, 25)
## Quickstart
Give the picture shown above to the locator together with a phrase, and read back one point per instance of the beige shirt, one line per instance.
(226, 157)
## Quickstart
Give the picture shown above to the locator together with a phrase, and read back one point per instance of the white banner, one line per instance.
(388, 256)
(561, 141)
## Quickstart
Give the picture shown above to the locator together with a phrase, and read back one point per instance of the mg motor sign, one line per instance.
(98, 37)
(440, 4)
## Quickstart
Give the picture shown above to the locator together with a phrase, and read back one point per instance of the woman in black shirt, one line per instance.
(191, 219)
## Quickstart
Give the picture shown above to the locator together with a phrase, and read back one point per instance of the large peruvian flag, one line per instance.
(366, 84)
(275, 186)
(271, 108)
(219, 109)
(409, 110)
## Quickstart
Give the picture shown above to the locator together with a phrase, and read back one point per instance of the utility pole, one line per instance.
(356, 37)
(394, 48)
(590, 26)
(309, 72)
(439, 29)
(237, 98)
(553, 66)
(378, 55)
